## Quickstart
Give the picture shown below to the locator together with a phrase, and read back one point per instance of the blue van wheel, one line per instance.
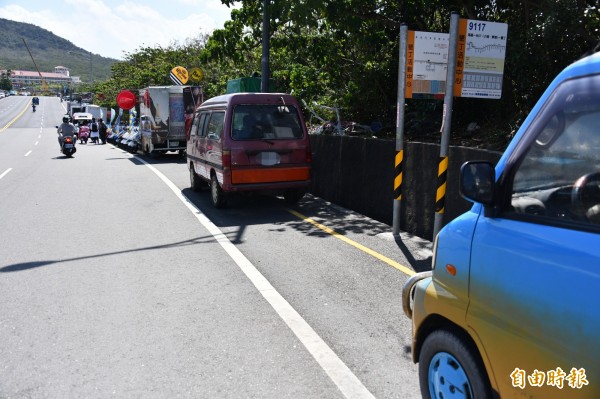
(449, 369)
(447, 378)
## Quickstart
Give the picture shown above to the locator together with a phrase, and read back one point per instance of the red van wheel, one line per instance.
(293, 196)
(216, 193)
(195, 182)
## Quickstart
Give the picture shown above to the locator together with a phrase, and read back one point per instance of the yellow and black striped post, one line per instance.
(440, 195)
(400, 105)
(398, 175)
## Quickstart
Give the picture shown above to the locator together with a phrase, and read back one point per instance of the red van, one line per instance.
(249, 142)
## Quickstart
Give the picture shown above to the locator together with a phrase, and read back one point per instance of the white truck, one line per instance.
(96, 111)
(163, 113)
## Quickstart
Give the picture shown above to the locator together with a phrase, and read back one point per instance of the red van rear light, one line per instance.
(226, 158)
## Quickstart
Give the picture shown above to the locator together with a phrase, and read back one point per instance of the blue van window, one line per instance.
(559, 175)
(261, 121)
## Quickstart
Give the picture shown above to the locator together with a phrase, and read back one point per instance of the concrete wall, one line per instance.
(358, 174)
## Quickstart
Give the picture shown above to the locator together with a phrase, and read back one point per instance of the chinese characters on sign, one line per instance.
(479, 61)
(426, 64)
(557, 378)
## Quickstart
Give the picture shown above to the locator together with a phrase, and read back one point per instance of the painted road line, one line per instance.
(36, 143)
(338, 372)
(28, 153)
(377, 255)
(15, 118)
(5, 172)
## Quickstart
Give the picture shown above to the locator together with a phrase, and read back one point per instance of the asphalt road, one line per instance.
(116, 280)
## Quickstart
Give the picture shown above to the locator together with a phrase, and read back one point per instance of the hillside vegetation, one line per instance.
(48, 51)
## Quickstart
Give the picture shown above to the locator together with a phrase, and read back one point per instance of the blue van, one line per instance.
(511, 308)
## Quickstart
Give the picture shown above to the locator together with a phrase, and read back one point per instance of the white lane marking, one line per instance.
(339, 373)
(5, 172)
(28, 154)
(36, 143)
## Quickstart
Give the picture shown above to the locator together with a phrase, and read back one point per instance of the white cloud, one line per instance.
(96, 26)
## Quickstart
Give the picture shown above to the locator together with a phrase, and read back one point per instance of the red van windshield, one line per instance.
(258, 121)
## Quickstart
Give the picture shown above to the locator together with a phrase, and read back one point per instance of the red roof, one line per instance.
(49, 75)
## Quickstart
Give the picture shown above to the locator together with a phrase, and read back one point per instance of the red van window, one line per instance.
(252, 122)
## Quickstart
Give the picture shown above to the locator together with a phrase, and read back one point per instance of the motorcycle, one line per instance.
(83, 135)
(68, 146)
(33, 106)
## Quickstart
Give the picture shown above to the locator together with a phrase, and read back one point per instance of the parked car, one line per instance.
(511, 306)
(249, 142)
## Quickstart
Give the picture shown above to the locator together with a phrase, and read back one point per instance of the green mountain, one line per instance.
(48, 51)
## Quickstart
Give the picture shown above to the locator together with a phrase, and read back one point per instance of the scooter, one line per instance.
(83, 136)
(68, 146)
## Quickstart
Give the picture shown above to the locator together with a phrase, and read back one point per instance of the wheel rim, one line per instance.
(447, 378)
(214, 191)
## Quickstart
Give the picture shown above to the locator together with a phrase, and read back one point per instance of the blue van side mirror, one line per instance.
(477, 182)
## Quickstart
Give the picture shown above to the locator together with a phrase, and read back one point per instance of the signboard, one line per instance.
(179, 75)
(426, 64)
(196, 75)
(480, 59)
(126, 100)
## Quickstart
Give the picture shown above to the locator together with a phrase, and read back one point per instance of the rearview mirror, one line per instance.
(477, 182)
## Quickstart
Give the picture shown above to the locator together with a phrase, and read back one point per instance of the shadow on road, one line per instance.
(418, 265)
(17, 267)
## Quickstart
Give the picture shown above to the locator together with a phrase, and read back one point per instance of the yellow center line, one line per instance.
(15, 118)
(377, 255)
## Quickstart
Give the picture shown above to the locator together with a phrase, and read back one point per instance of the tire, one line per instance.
(195, 182)
(450, 368)
(293, 196)
(217, 195)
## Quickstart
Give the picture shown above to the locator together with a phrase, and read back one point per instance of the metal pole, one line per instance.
(92, 77)
(91, 69)
(446, 126)
(264, 82)
(400, 103)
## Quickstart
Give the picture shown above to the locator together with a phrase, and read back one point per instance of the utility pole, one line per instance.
(44, 85)
(91, 69)
(264, 81)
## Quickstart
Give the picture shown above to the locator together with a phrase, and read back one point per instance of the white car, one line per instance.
(2, 95)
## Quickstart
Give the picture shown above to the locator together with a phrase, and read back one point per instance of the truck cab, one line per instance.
(510, 308)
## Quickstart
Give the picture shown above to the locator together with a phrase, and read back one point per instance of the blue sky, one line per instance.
(112, 27)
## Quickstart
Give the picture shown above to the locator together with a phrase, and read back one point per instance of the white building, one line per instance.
(60, 76)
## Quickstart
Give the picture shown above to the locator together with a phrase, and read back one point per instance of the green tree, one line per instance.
(345, 53)
(148, 66)
(5, 83)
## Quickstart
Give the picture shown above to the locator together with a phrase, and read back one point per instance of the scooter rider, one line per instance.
(35, 101)
(65, 129)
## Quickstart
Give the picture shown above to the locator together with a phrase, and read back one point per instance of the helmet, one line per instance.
(65, 119)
